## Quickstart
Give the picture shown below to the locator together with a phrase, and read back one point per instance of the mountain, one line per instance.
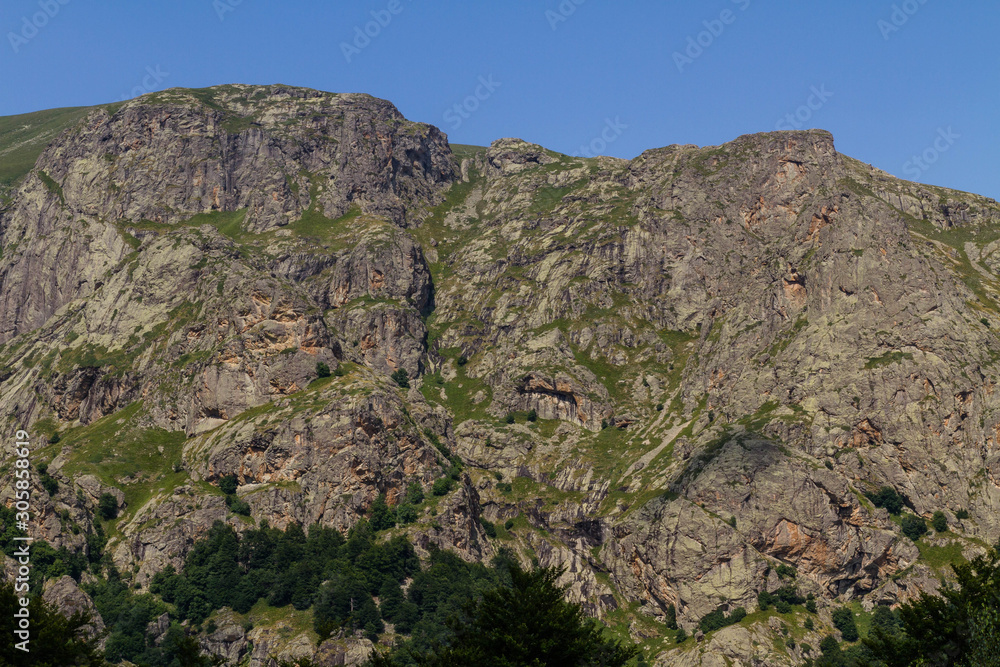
(681, 377)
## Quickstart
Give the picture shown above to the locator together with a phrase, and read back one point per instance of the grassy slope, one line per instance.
(25, 136)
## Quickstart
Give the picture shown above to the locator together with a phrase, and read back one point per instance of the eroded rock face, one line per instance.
(274, 152)
(724, 349)
(67, 596)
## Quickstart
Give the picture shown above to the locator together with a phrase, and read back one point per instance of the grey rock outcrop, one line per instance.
(670, 375)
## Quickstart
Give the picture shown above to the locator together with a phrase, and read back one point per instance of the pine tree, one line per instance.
(528, 622)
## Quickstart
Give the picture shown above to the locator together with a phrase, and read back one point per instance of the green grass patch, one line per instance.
(52, 186)
(941, 556)
(120, 446)
(888, 359)
(25, 136)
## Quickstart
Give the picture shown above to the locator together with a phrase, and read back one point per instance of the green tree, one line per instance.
(671, 618)
(441, 486)
(402, 378)
(54, 640)
(228, 484)
(888, 498)
(843, 620)
(322, 370)
(831, 656)
(914, 527)
(238, 506)
(527, 622)
(960, 626)
(406, 513)
(885, 620)
(380, 516)
(414, 493)
(107, 506)
(939, 521)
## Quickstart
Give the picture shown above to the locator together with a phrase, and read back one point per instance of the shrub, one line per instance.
(962, 514)
(885, 619)
(888, 498)
(402, 378)
(107, 506)
(463, 360)
(406, 513)
(441, 486)
(508, 524)
(54, 439)
(732, 521)
(533, 416)
(228, 484)
(681, 636)
(764, 600)
(843, 620)
(913, 527)
(671, 619)
(509, 419)
(488, 527)
(811, 607)
(659, 407)
(809, 625)
(715, 620)
(238, 506)
(789, 594)
(782, 607)
(939, 521)
(414, 493)
(48, 483)
(322, 370)
(379, 515)
(786, 571)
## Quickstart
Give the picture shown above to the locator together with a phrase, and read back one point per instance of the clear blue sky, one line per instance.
(887, 94)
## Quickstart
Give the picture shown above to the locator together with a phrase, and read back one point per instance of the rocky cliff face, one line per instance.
(670, 375)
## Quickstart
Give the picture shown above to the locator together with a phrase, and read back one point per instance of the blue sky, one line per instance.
(893, 81)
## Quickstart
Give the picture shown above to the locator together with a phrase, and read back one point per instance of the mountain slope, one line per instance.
(671, 375)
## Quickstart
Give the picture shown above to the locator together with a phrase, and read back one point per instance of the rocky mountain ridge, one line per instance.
(670, 375)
